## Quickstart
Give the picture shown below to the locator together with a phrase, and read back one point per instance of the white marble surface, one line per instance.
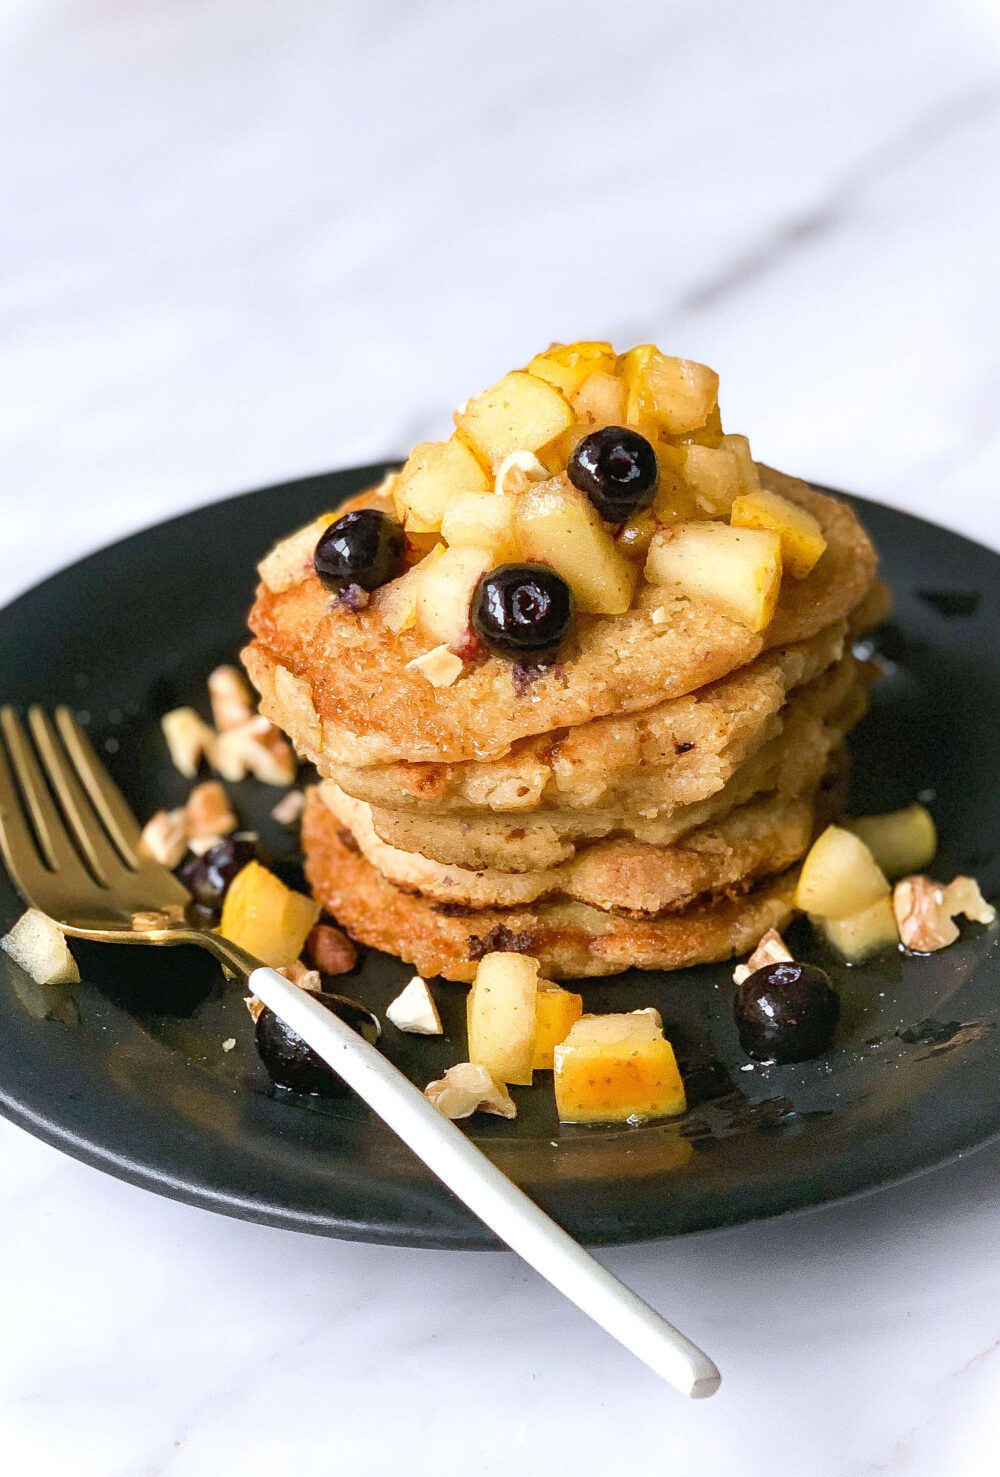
(242, 240)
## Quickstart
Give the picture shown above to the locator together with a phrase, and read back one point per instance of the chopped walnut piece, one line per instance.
(256, 748)
(964, 899)
(770, 950)
(466, 1089)
(289, 808)
(330, 950)
(231, 697)
(517, 470)
(306, 979)
(924, 911)
(922, 915)
(208, 812)
(255, 1006)
(164, 838)
(188, 737)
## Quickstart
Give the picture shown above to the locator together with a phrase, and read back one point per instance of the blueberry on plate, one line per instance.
(364, 548)
(209, 877)
(618, 471)
(522, 611)
(291, 1063)
(786, 1012)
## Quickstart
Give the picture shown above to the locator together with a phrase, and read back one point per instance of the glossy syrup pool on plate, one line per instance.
(141, 1084)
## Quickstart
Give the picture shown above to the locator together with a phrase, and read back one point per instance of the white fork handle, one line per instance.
(486, 1190)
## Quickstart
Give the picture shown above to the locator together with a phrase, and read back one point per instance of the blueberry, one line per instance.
(291, 1063)
(617, 469)
(208, 878)
(786, 1012)
(522, 611)
(364, 548)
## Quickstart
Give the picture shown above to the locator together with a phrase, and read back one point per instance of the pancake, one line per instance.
(791, 763)
(675, 752)
(337, 682)
(753, 841)
(570, 939)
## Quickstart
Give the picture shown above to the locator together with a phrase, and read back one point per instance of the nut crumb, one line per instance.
(772, 949)
(255, 1006)
(660, 616)
(231, 697)
(330, 950)
(466, 1089)
(164, 838)
(189, 739)
(306, 979)
(229, 1043)
(208, 812)
(440, 666)
(289, 808)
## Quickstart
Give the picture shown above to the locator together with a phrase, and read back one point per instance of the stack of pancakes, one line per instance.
(644, 802)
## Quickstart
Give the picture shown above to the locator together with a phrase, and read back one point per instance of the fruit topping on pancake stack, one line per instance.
(577, 680)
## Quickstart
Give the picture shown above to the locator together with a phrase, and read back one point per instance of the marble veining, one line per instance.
(241, 242)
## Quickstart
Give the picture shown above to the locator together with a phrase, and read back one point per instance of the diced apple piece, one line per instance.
(679, 395)
(839, 876)
(600, 400)
(617, 1069)
(501, 1016)
(396, 602)
(740, 448)
(713, 474)
(267, 918)
(518, 413)
(567, 365)
(444, 594)
(559, 526)
(860, 935)
(434, 472)
(902, 841)
(39, 946)
(737, 570)
(483, 520)
(555, 1011)
(802, 541)
(637, 533)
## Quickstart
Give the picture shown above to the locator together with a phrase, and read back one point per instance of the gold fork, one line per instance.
(71, 846)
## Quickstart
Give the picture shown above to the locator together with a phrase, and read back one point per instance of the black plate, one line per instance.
(141, 1087)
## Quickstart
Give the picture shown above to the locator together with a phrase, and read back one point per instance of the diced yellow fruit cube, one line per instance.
(802, 541)
(713, 474)
(555, 1011)
(616, 1069)
(600, 401)
(559, 526)
(396, 602)
(266, 918)
(567, 365)
(637, 533)
(444, 594)
(675, 500)
(518, 413)
(902, 842)
(501, 1016)
(434, 472)
(839, 876)
(740, 448)
(483, 520)
(679, 395)
(860, 935)
(737, 570)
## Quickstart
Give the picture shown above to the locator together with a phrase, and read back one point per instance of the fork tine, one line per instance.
(91, 838)
(105, 796)
(28, 872)
(147, 879)
(53, 840)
